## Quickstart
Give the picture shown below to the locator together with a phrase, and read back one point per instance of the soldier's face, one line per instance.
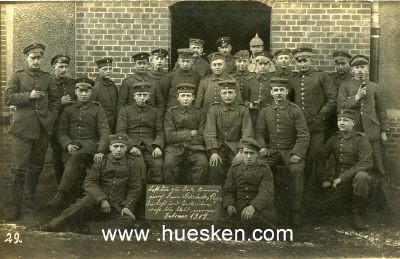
(158, 62)
(263, 66)
(34, 60)
(283, 61)
(279, 93)
(118, 150)
(360, 72)
(197, 48)
(105, 71)
(241, 64)
(83, 95)
(255, 49)
(342, 65)
(217, 66)
(141, 66)
(185, 99)
(185, 63)
(225, 49)
(60, 70)
(141, 98)
(228, 95)
(303, 64)
(345, 124)
(249, 156)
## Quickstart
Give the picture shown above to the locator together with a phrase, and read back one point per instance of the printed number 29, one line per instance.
(10, 239)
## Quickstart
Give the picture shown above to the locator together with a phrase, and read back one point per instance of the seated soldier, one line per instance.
(82, 131)
(183, 126)
(248, 193)
(353, 159)
(112, 189)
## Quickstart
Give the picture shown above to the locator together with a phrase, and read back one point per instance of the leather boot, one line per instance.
(16, 194)
(359, 205)
(31, 183)
(57, 201)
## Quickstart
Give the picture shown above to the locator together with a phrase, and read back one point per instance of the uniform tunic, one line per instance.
(106, 93)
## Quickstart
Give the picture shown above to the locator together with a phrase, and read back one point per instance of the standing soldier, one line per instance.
(106, 91)
(351, 180)
(227, 123)
(200, 64)
(258, 94)
(66, 93)
(242, 74)
(208, 91)
(283, 136)
(225, 47)
(256, 45)
(282, 64)
(314, 92)
(183, 74)
(366, 98)
(183, 126)
(34, 95)
(83, 134)
(248, 192)
(140, 75)
(158, 61)
(112, 189)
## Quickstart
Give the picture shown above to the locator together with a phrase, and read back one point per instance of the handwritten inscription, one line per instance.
(183, 202)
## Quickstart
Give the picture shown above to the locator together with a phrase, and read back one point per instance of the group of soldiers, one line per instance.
(222, 120)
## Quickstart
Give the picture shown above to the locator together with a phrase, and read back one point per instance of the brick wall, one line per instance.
(118, 29)
(3, 61)
(322, 25)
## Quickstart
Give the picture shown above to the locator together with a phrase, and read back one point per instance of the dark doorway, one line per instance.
(209, 20)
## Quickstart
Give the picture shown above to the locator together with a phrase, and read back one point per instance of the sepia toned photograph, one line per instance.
(200, 129)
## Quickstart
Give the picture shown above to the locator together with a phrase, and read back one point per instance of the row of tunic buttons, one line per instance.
(302, 93)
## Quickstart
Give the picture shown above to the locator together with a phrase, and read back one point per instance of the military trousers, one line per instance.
(296, 175)
(85, 209)
(29, 157)
(217, 174)
(359, 186)
(174, 158)
(57, 157)
(153, 166)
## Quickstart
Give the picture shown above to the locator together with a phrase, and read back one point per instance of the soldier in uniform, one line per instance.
(256, 45)
(351, 181)
(242, 74)
(208, 91)
(66, 94)
(33, 93)
(183, 126)
(83, 132)
(106, 91)
(367, 99)
(158, 61)
(258, 94)
(112, 188)
(283, 136)
(313, 91)
(183, 74)
(140, 75)
(282, 64)
(227, 123)
(248, 192)
(225, 47)
(143, 124)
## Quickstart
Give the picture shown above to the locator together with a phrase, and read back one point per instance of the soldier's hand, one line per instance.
(98, 157)
(156, 153)
(72, 148)
(127, 212)
(294, 159)
(326, 184)
(336, 182)
(215, 159)
(194, 133)
(35, 94)
(361, 92)
(248, 212)
(135, 151)
(384, 136)
(66, 99)
(105, 206)
(231, 210)
(265, 152)
(252, 106)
